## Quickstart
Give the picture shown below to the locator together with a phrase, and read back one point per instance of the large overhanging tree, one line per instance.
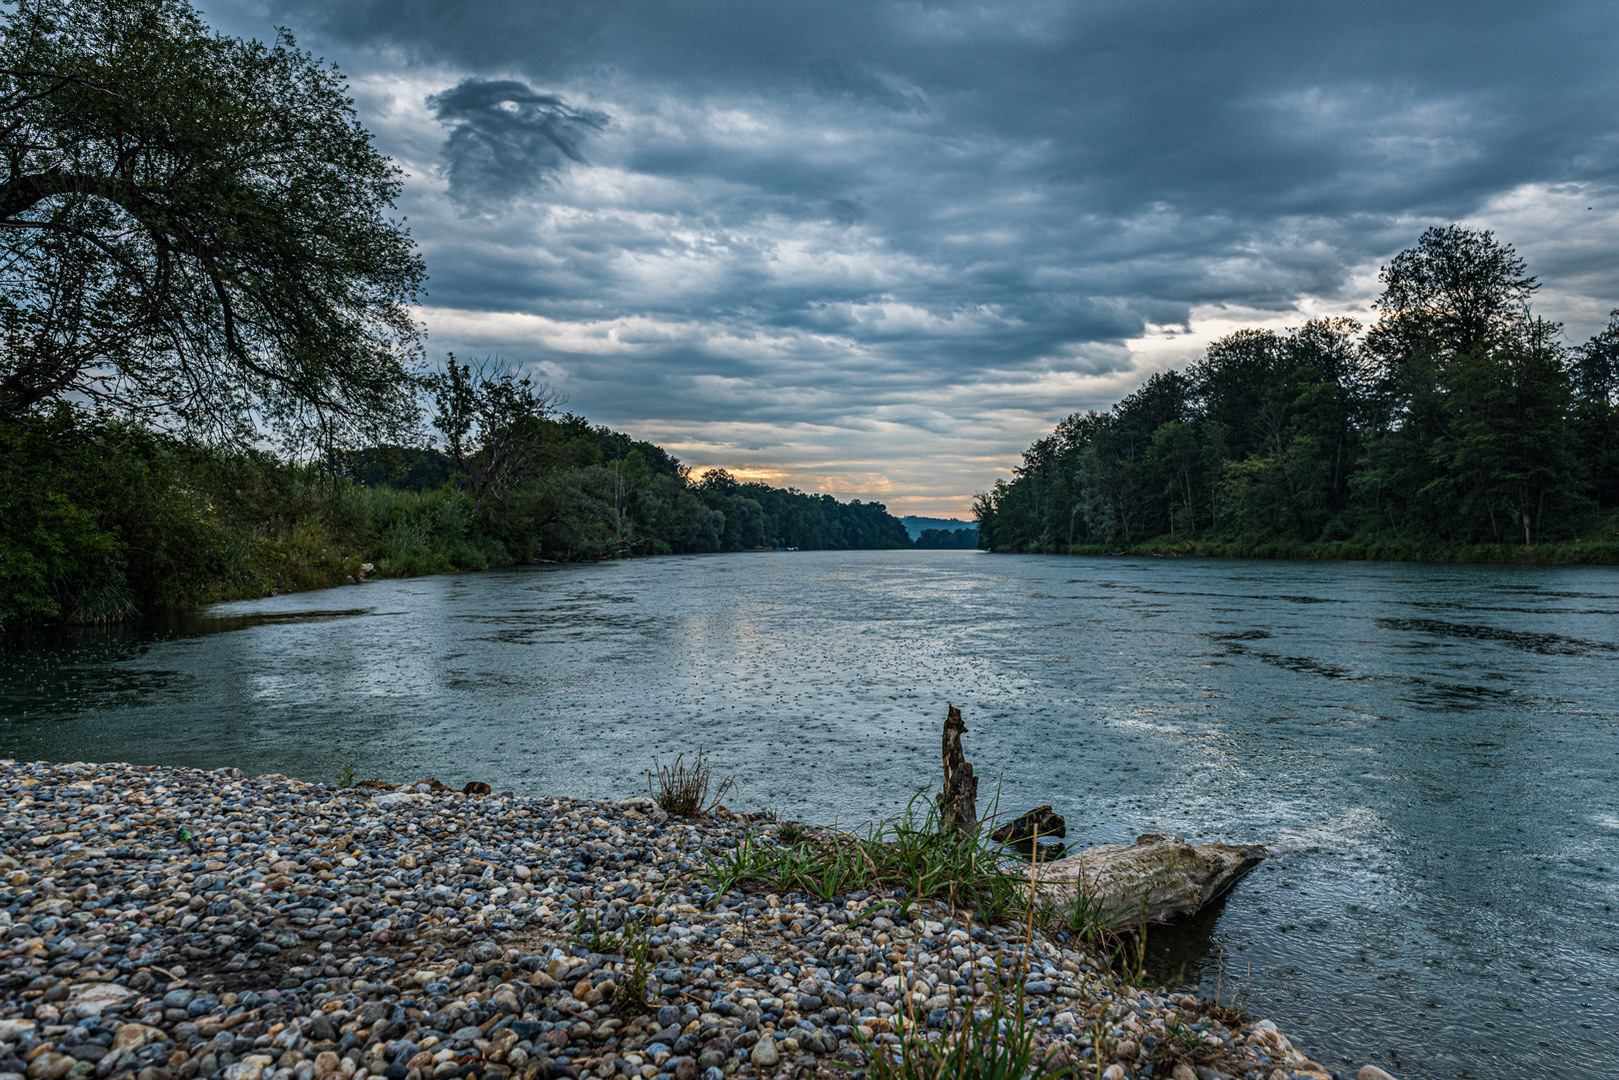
(196, 229)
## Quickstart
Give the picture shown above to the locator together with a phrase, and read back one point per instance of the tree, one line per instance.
(1458, 285)
(986, 514)
(494, 424)
(1596, 365)
(1457, 419)
(195, 229)
(1329, 378)
(1174, 455)
(1507, 452)
(1596, 389)
(1230, 385)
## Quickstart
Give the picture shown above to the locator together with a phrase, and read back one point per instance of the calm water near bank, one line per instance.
(1430, 751)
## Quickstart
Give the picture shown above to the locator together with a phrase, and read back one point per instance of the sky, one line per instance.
(877, 248)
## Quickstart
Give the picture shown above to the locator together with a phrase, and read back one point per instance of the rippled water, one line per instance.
(1430, 751)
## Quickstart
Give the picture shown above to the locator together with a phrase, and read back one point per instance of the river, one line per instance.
(1429, 751)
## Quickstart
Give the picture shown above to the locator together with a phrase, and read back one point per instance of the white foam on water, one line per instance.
(1353, 830)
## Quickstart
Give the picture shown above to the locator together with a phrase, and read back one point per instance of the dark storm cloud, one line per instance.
(506, 139)
(879, 216)
(1284, 105)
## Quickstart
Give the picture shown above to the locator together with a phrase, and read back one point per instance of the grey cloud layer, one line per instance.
(884, 219)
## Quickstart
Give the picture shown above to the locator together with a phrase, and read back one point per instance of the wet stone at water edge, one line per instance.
(168, 924)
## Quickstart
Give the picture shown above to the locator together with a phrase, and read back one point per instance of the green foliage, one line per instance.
(98, 518)
(101, 518)
(1081, 914)
(913, 852)
(494, 424)
(630, 943)
(947, 539)
(408, 468)
(195, 227)
(1457, 427)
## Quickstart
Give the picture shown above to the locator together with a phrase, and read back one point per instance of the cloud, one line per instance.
(914, 236)
(840, 77)
(506, 139)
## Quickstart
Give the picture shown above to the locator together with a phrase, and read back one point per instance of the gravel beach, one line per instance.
(162, 923)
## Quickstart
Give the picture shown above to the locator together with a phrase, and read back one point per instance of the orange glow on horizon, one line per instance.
(747, 475)
(866, 488)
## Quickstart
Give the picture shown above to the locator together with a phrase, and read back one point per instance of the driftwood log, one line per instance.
(958, 802)
(1157, 878)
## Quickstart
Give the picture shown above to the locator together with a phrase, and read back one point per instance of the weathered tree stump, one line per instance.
(958, 802)
(1157, 878)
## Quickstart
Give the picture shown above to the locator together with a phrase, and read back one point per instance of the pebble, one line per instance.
(162, 923)
(764, 1053)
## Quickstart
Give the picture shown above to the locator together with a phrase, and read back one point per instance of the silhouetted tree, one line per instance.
(195, 229)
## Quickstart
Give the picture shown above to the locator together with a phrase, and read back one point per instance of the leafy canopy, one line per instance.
(1458, 285)
(195, 229)
(1457, 419)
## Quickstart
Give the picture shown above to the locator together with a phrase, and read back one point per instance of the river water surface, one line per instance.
(1429, 751)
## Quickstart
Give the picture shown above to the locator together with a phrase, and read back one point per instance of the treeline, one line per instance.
(101, 519)
(1457, 426)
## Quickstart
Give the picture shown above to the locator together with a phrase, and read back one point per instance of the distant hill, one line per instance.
(915, 525)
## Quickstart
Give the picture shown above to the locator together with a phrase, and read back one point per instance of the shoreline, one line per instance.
(162, 923)
(1558, 553)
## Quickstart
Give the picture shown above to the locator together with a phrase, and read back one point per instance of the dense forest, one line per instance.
(102, 519)
(1457, 426)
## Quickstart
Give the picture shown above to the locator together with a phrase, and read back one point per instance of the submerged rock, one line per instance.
(1040, 822)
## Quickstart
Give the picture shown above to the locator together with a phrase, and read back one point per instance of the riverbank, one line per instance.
(168, 924)
(1599, 552)
(109, 520)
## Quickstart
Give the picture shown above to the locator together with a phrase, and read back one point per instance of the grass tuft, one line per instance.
(682, 790)
(631, 945)
(1081, 915)
(913, 852)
